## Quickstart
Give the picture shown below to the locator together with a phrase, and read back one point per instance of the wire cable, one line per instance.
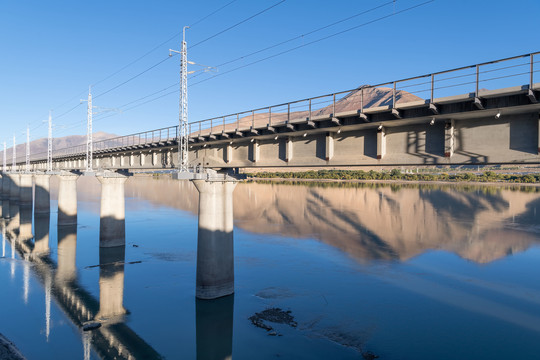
(237, 24)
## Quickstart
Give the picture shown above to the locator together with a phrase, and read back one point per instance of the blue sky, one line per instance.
(52, 50)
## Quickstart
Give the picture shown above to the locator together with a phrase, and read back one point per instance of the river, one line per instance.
(322, 270)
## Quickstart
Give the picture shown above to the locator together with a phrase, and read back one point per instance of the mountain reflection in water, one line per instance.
(370, 222)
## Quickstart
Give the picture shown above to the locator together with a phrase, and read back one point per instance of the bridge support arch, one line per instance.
(215, 255)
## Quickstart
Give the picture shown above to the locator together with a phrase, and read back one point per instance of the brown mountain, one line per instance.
(39, 146)
(370, 97)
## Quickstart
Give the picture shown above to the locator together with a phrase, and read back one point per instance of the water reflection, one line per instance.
(114, 339)
(372, 222)
(214, 328)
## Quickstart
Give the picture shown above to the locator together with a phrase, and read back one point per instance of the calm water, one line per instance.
(401, 272)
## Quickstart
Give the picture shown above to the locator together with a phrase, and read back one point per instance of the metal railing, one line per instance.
(469, 80)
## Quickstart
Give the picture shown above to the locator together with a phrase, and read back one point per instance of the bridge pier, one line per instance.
(112, 224)
(14, 187)
(111, 282)
(215, 255)
(67, 251)
(42, 193)
(25, 189)
(6, 184)
(67, 199)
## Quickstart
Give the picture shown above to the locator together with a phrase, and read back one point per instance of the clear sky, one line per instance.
(51, 51)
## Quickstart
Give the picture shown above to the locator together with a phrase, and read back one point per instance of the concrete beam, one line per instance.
(228, 153)
(67, 199)
(112, 224)
(381, 142)
(449, 138)
(215, 256)
(329, 146)
(255, 150)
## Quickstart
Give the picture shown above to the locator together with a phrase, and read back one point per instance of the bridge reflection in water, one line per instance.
(367, 222)
(377, 221)
(114, 339)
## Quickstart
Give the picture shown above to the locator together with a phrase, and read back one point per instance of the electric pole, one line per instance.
(14, 155)
(89, 146)
(4, 156)
(27, 148)
(49, 144)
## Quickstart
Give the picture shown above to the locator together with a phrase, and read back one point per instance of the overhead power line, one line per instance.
(394, 13)
(237, 24)
(316, 41)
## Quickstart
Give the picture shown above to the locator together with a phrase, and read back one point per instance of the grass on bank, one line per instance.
(396, 174)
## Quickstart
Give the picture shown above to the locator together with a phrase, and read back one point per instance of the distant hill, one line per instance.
(372, 97)
(40, 145)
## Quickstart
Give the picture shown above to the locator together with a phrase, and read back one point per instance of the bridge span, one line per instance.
(445, 118)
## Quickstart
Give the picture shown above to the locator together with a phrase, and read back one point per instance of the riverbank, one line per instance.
(487, 177)
(8, 351)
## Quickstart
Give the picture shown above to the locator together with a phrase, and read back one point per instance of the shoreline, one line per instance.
(419, 182)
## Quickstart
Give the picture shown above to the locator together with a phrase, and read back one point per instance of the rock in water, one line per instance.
(91, 326)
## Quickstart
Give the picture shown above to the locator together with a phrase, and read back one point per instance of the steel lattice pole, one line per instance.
(183, 126)
(27, 167)
(49, 145)
(89, 133)
(4, 156)
(14, 155)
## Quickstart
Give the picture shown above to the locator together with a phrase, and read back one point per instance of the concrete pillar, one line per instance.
(112, 224)
(288, 150)
(14, 187)
(449, 138)
(67, 251)
(67, 199)
(381, 143)
(6, 185)
(25, 189)
(111, 282)
(42, 193)
(214, 328)
(329, 146)
(41, 230)
(215, 256)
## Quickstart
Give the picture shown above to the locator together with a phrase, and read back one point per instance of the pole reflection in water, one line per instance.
(214, 328)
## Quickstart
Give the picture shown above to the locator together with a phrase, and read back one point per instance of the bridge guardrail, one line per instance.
(470, 80)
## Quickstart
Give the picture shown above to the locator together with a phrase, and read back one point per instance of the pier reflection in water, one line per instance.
(401, 271)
